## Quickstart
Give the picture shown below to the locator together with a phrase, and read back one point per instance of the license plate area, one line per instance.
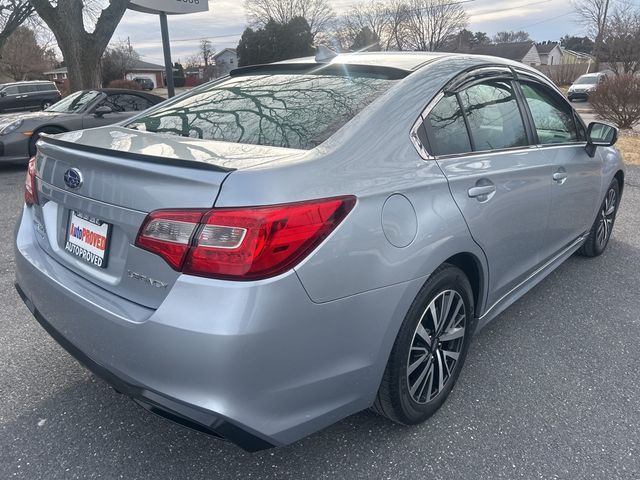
(87, 238)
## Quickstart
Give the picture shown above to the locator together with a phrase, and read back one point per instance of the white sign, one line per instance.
(169, 6)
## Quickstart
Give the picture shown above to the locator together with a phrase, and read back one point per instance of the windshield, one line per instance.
(586, 81)
(74, 103)
(294, 110)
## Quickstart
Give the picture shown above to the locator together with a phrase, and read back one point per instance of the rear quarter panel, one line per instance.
(372, 157)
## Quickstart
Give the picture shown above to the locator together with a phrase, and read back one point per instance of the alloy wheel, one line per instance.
(607, 215)
(436, 346)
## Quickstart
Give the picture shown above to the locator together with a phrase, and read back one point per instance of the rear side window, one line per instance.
(552, 117)
(447, 132)
(46, 87)
(27, 88)
(299, 110)
(494, 116)
(126, 103)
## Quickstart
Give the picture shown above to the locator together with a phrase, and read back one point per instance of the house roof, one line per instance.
(217, 54)
(56, 70)
(546, 47)
(513, 51)
(577, 54)
(140, 65)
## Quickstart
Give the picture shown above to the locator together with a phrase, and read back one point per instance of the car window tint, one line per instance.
(26, 88)
(46, 87)
(299, 110)
(446, 128)
(553, 117)
(494, 117)
(126, 103)
(13, 90)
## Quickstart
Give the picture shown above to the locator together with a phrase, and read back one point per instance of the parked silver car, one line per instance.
(271, 252)
(19, 132)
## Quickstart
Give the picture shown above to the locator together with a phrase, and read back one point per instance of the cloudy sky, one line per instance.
(225, 21)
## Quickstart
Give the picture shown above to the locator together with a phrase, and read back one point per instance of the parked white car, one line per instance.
(585, 85)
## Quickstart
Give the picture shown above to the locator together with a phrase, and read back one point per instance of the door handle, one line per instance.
(481, 191)
(560, 176)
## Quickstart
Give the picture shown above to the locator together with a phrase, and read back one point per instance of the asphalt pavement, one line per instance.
(550, 390)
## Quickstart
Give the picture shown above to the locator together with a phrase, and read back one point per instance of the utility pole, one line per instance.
(600, 37)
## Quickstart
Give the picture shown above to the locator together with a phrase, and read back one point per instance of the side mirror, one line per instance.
(600, 135)
(102, 111)
(3, 94)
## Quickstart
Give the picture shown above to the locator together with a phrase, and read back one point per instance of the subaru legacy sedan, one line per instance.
(296, 242)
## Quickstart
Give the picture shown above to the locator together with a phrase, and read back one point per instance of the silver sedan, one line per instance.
(271, 252)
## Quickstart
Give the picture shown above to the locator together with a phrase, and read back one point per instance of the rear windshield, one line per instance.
(294, 110)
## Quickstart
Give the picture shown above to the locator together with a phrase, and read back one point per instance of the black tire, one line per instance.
(600, 233)
(36, 135)
(395, 399)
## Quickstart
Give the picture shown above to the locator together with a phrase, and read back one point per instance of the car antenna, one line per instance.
(324, 54)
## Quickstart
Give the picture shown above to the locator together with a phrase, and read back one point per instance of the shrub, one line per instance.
(130, 84)
(617, 100)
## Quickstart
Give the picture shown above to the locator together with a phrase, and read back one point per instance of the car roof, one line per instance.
(25, 81)
(400, 60)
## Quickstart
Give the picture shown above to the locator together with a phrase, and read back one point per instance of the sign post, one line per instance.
(162, 8)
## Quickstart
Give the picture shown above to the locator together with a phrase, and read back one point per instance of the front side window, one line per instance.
(493, 115)
(552, 117)
(294, 110)
(13, 90)
(447, 132)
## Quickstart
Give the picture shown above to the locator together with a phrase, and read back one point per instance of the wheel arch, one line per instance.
(620, 177)
(472, 267)
(39, 130)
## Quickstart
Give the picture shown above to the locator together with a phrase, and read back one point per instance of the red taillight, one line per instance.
(30, 189)
(242, 243)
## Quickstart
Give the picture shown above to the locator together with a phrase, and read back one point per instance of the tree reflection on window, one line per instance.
(284, 110)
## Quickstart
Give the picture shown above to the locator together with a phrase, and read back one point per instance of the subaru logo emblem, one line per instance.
(73, 178)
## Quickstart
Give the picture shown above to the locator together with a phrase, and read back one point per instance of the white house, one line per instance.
(550, 53)
(226, 60)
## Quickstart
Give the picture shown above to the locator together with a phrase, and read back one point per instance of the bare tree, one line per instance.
(206, 51)
(22, 57)
(13, 13)
(621, 42)
(430, 23)
(318, 13)
(592, 14)
(373, 16)
(80, 48)
(118, 60)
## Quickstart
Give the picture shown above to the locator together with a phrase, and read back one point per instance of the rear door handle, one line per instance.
(481, 191)
(560, 176)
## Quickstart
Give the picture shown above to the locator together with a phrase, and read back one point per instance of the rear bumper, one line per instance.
(255, 362)
(172, 409)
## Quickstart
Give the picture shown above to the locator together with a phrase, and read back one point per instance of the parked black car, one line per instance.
(145, 83)
(36, 95)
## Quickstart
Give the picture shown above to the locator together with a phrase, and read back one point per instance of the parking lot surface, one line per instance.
(550, 390)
